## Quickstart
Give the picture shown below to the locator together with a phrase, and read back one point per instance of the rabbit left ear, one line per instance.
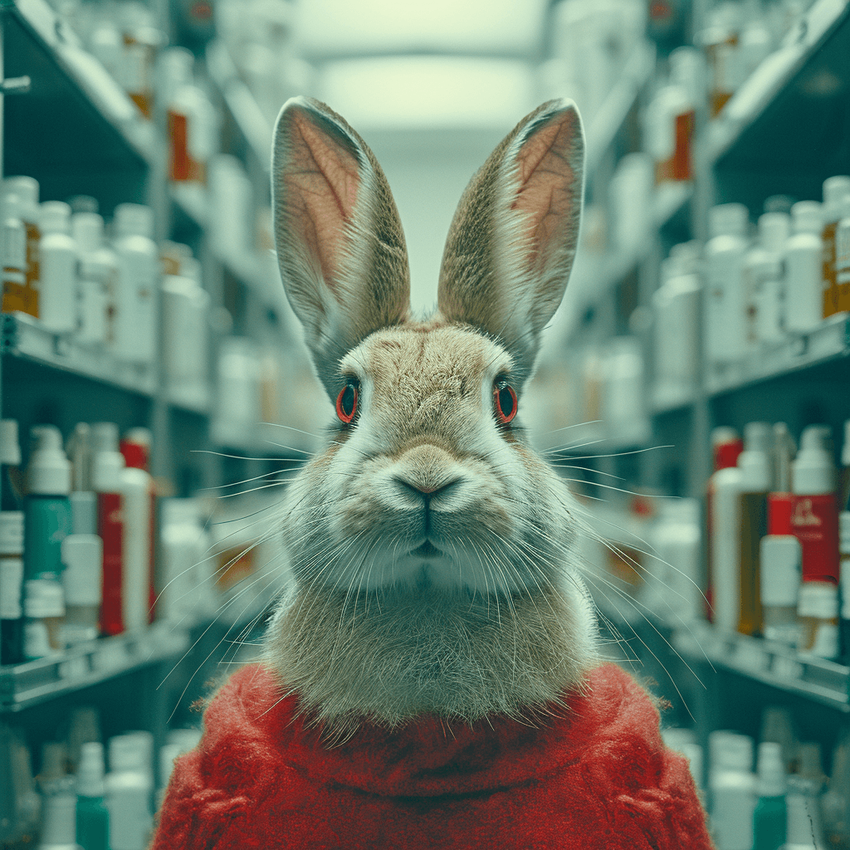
(513, 238)
(339, 240)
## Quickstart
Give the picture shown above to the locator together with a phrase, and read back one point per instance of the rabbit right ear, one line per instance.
(340, 245)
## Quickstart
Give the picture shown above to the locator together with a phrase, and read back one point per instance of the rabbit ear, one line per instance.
(339, 240)
(513, 238)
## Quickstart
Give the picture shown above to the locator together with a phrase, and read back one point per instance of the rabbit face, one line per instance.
(432, 552)
(429, 488)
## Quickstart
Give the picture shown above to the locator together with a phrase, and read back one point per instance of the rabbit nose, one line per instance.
(426, 490)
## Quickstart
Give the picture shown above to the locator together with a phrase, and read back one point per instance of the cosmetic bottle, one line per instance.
(770, 815)
(723, 524)
(815, 514)
(47, 521)
(137, 283)
(842, 258)
(763, 280)
(58, 258)
(725, 331)
(92, 814)
(780, 553)
(733, 790)
(17, 294)
(835, 189)
(107, 482)
(803, 303)
(11, 546)
(139, 511)
(755, 464)
(97, 272)
(129, 791)
(26, 190)
(59, 815)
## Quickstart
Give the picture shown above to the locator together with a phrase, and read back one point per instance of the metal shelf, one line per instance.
(75, 113)
(25, 685)
(773, 664)
(787, 102)
(24, 337)
(826, 343)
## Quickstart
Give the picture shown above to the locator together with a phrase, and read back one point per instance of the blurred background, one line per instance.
(156, 396)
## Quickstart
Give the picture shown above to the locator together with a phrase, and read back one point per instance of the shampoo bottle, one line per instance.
(58, 258)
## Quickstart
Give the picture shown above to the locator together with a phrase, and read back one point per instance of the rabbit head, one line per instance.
(432, 552)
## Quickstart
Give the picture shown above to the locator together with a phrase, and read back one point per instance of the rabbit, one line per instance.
(428, 496)
(431, 676)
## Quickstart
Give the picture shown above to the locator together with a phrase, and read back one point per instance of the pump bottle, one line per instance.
(47, 521)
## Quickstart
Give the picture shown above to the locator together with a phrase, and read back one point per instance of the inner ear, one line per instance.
(322, 184)
(546, 188)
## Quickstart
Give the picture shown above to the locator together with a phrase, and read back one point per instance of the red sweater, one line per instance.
(595, 776)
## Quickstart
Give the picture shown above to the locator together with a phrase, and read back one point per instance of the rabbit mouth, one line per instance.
(426, 550)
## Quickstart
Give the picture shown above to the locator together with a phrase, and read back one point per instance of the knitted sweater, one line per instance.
(595, 775)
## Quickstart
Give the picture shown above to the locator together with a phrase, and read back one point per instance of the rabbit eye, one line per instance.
(346, 402)
(504, 401)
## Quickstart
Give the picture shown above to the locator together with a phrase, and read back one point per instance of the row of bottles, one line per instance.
(74, 803)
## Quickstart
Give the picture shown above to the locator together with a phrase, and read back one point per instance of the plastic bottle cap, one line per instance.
(813, 472)
(55, 217)
(49, 470)
(10, 446)
(731, 750)
(818, 599)
(727, 447)
(91, 769)
(43, 597)
(774, 229)
(131, 751)
(756, 460)
(728, 220)
(134, 220)
(107, 461)
(771, 770)
(807, 217)
(26, 189)
(834, 190)
(87, 228)
(136, 447)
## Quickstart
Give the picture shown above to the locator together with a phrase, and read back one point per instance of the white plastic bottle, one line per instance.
(138, 492)
(59, 815)
(97, 273)
(803, 305)
(137, 283)
(58, 257)
(733, 790)
(725, 304)
(724, 547)
(129, 792)
(763, 280)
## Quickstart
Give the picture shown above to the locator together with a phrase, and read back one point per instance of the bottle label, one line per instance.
(11, 584)
(47, 521)
(814, 522)
(178, 133)
(830, 299)
(110, 527)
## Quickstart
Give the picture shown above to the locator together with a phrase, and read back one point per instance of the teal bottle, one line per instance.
(92, 814)
(770, 818)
